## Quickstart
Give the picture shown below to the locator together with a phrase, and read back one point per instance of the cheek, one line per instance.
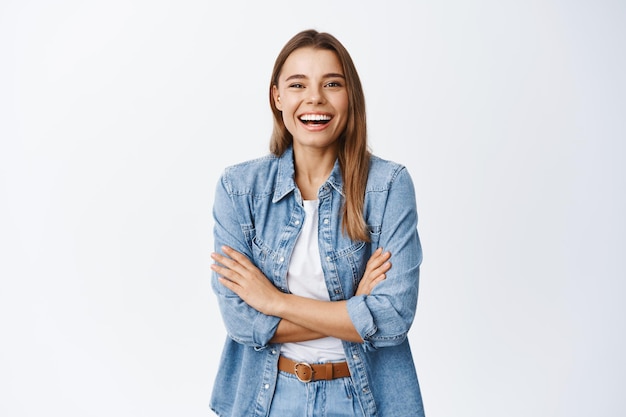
(342, 105)
(343, 108)
(288, 118)
(289, 111)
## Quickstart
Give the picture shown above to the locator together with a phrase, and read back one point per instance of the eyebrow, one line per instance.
(302, 76)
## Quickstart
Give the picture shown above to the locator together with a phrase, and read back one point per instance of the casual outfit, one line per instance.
(301, 247)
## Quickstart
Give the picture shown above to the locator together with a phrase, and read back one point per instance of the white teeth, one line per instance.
(314, 117)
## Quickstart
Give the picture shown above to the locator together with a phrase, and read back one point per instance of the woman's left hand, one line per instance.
(237, 273)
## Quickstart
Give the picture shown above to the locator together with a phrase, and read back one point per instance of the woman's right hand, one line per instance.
(377, 265)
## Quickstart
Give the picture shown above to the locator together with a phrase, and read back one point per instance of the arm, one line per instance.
(375, 270)
(287, 332)
(384, 317)
(243, 323)
(302, 318)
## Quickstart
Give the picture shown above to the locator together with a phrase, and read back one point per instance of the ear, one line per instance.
(276, 96)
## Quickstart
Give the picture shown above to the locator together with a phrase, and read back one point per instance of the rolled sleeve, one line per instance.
(362, 319)
(243, 323)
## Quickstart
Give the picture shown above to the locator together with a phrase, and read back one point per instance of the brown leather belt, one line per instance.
(306, 372)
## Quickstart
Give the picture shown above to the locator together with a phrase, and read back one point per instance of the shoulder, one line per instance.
(251, 165)
(250, 176)
(384, 173)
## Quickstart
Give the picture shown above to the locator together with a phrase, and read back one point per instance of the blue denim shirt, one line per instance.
(258, 211)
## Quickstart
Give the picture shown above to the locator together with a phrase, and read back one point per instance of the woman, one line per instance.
(317, 318)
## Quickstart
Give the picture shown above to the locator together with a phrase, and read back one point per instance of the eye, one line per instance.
(333, 84)
(296, 85)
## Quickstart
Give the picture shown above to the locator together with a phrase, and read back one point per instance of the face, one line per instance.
(312, 96)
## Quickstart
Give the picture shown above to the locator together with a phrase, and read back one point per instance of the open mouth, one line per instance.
(315, 119)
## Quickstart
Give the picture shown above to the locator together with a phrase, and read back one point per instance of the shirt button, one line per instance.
(328, 258)
(297, 222)
(266, 386)
(355, 357)
(326, 221)
(281, 260)
(273, 351)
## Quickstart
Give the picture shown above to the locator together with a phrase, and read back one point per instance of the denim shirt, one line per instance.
(258, 211)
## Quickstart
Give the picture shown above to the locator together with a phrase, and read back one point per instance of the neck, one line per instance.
(312, 170)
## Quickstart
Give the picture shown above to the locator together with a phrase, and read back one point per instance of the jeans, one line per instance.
(332, 398)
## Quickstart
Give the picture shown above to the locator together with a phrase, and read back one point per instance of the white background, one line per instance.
(116, 118)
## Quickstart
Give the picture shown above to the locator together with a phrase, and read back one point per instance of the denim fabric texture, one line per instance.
(258, 211)
(333, 398)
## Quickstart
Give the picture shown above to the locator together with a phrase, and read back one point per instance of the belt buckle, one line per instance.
(307, 368)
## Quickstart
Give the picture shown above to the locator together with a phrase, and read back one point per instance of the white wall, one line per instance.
(117, 117)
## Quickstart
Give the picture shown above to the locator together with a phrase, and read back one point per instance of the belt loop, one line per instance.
(329, 370)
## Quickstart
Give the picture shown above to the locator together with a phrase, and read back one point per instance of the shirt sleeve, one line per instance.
(243, 323)
(384, 317)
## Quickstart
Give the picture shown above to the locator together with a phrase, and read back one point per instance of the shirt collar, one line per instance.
(285, 183)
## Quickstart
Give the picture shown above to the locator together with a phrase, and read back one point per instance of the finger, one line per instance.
(375, 281)
(375, 270)
(229, 284)
(219, 258)
(368, 286)
(378, 258)
(237, 256)
(383, 268)
(228, 262)
(376, 277)
(369, 281)
(228, 273)
(379, 278)
(375, 255)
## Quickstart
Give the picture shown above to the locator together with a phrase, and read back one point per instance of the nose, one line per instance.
(316, 96)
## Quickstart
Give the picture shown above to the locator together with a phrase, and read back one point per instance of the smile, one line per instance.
(315, 119)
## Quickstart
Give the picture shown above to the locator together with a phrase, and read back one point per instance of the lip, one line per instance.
(315, 127)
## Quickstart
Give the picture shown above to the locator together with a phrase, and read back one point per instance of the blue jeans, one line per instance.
(333, 398)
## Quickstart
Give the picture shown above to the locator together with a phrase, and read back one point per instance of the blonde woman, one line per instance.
(316, 315)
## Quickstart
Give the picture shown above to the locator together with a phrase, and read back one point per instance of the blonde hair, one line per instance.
(353, 152)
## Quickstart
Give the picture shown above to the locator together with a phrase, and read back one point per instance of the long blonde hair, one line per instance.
(353, 152)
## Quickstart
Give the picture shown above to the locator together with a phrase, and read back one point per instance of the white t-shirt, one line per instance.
(306, 278)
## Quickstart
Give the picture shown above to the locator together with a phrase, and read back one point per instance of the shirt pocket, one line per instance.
(267, 260)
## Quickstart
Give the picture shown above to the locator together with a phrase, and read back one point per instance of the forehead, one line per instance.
(311, 62)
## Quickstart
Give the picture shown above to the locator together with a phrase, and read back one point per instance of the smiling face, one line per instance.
(312, 96)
